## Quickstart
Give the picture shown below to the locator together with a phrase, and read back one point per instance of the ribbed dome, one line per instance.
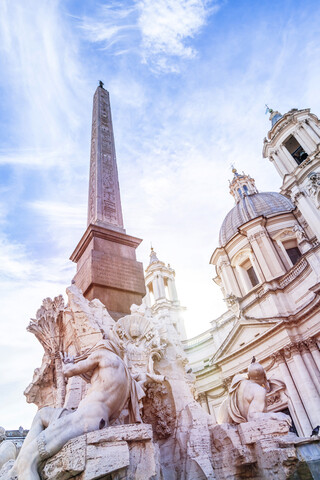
(250, 207)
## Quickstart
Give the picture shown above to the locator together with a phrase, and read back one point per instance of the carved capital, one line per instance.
(202, 397)
(257, 235)
(311, 344)
(296, 196)
(287, 352)
(295, 349)
(226, 382)
(303, 347)
(224, 264)
(279, 357)
(313, 185)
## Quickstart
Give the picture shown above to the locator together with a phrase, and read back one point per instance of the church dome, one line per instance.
(252, 206)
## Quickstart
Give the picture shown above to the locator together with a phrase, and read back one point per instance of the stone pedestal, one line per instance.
(107, 269)
(262, 449)
(121, 452)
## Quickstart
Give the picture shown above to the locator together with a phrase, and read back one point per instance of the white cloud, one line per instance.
(165, 27)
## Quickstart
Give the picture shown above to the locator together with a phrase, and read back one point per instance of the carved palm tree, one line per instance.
(47, 327)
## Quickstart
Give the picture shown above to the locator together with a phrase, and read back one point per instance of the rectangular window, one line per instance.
(252, 276)
(295, 149)
(294, 254)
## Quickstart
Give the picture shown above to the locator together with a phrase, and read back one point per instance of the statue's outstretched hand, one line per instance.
(66, 358)
(282, 416)
(67, 363)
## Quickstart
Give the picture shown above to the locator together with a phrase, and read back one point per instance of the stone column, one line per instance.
(311, 132)
(308, 210)
(305, 385)
(172, 290)
(160, 282)
(314, 127)
(301, 418)
(228, 279)
(313, 347)
(204, 401)
(156, 291)
(288, 158)
(312, 368)
(266, 255)
(304, 140)
(278, 165)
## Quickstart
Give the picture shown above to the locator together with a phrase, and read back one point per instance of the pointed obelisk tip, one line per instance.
(101, 83)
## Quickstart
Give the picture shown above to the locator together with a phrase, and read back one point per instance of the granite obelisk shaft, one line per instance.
(107, 268)
(104, 206)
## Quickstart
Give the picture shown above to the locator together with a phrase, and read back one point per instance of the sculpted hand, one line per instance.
(67, 364)
(67, 368)
(66, 358)
(282, 416)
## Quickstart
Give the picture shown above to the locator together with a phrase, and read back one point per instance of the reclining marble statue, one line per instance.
(112, 387)
(247, 399)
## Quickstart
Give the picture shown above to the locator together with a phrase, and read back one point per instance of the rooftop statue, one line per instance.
(247, 399)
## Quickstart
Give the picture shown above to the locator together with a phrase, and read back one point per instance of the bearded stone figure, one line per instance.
(247, 399)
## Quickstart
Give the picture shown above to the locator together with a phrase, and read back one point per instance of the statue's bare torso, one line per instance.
(106, 397)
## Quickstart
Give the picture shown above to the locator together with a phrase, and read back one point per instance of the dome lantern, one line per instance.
(241, 185)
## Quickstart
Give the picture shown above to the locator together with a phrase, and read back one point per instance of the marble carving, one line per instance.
(247, 399)
(116, 401)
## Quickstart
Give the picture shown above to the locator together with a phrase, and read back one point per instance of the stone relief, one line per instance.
(140, 345)
(233, 303)
(103, 166)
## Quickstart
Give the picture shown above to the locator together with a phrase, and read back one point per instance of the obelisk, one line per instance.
(107, 268)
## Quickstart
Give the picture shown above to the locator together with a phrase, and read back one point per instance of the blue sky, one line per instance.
(188, 82)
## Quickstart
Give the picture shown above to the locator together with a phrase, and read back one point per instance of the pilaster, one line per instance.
(300, 417)
(305, 385)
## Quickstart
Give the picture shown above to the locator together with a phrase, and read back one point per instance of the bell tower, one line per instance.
(107, 268)
(162, 295)
(293, 146)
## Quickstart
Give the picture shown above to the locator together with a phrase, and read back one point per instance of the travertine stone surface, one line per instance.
(70, 461)
(256, 450)
(260, 429)
(127, 451)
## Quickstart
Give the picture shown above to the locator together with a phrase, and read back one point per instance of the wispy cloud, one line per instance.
(160, 32)
(39, 57)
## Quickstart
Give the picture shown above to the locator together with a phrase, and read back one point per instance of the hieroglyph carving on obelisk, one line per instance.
(104, 208)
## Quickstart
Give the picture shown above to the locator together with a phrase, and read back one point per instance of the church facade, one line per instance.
(268, 268)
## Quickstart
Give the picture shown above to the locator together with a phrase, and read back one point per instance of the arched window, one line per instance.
(245, 189)
(295, 149)
(248, 277)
